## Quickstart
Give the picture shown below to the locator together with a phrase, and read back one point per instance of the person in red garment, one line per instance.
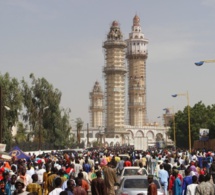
(127, 163)
(152, 189)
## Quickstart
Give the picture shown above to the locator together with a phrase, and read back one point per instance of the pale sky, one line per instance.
(62, 42)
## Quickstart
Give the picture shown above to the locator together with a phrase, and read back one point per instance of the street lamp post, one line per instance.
(188, 115)
(200, 63)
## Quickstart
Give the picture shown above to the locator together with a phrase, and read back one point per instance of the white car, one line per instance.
(133, 185)
(133, 170)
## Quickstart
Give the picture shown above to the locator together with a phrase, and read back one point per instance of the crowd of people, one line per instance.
(96, 172)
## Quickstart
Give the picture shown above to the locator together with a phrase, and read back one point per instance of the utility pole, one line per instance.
(40, 128)
(88, 143)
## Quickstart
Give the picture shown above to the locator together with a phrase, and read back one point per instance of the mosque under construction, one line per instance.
(110, 124)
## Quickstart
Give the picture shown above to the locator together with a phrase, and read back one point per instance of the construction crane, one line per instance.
(200, 63)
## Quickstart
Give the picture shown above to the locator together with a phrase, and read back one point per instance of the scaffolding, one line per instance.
(96, 107)
(115, 74)
(136, 55)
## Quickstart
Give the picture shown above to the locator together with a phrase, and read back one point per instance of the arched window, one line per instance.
(139, 134)
(150, 135)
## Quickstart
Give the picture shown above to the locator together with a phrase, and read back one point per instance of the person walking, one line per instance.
(209, 183)
(70, 187)
(79, 190)
(98, 185)
(120, 166)
(191, 188)
(177, 188)
(109, 177)
(201, 188)
(152, 189)
(163, 177)
(24, 176)
(57, 183)
(20, 188)
(34, 186)
(186, 181)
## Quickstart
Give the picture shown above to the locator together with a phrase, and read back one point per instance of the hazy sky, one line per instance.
(62, 42)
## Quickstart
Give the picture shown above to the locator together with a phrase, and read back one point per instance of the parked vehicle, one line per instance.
(137, 184)
(133, 170)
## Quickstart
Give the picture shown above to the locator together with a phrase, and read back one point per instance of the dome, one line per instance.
(136, 20)
(97, 87)
(115, 23)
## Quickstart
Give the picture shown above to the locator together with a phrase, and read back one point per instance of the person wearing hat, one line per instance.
(20, 188)
(40, 171)
(120, 166)
(152, 188)
(109, 177)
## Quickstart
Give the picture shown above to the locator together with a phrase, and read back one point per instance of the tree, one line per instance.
(11, 98)
(79, 125)
(43, 113)
(21, 135)
(200, 117)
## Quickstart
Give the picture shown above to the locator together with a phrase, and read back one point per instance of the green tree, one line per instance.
(43, 113)
(200, 117)
(11, 99)
(21, 135)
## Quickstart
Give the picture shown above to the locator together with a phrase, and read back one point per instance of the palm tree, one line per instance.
(79, 125)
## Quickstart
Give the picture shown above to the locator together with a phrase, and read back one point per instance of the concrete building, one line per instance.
(115, 131)
(114, 72)
(137, 54)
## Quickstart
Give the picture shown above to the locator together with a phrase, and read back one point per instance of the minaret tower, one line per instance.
(96, 107)
(136, 55)
(114, 72)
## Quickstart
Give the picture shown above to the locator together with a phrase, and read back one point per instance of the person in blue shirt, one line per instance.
(177, 188)
(186, 181)
(163, 177)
